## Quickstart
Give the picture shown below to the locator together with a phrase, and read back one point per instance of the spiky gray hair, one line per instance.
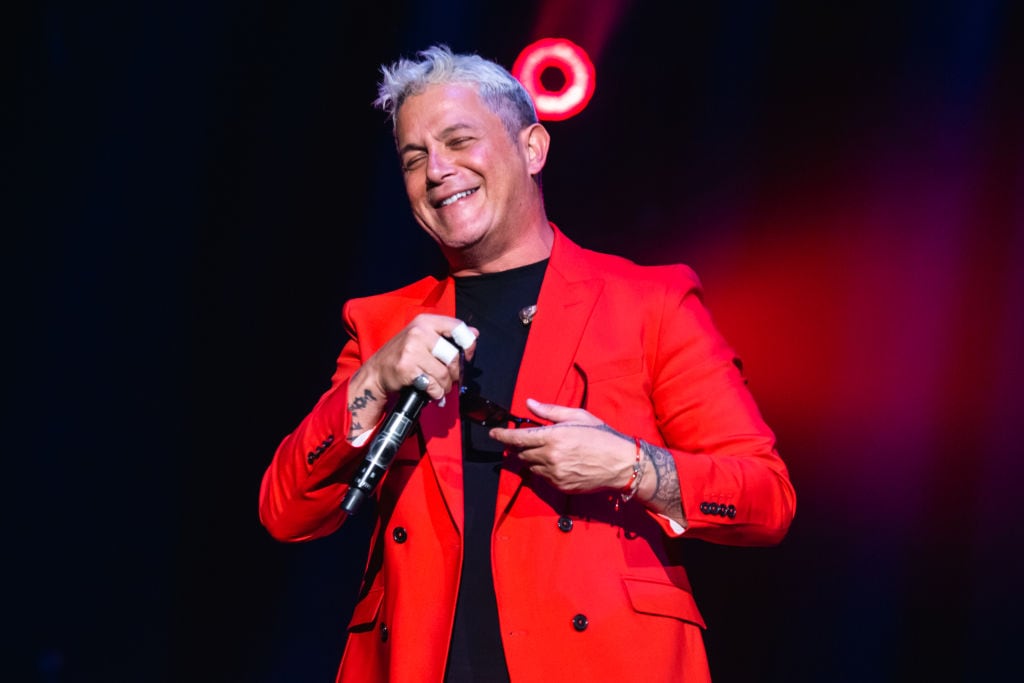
(500, 91)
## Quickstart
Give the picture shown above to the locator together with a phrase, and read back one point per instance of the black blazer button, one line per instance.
(565, 523)
(580, 623)
(383, 632)
(730, 512)
(311, 457)
(704, 507)
(399, 534)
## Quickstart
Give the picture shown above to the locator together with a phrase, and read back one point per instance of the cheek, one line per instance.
(415, 189)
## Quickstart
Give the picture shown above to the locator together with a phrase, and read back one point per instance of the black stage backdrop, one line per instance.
(194, 189)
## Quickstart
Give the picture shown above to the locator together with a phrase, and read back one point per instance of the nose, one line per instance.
(439, 166)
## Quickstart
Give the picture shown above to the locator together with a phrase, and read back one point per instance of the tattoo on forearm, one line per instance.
(605, 428)
(667, 494)
(358, 403)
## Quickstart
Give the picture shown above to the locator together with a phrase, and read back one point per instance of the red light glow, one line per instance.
(576, 68)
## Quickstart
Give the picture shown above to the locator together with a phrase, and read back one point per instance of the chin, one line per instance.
(462, 238)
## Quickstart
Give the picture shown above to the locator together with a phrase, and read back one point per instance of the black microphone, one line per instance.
(385, 444)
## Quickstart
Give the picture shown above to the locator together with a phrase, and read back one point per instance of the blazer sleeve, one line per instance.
(304, 485)
(734, 486)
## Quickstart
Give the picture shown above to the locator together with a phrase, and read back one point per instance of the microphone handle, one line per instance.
(385, 444)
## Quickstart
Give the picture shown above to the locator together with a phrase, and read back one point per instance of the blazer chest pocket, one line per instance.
(606, 370)
(613, 387)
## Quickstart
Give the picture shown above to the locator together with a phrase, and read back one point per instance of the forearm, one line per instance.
(656, 482)
(732, 498)
(365, 405)
(658, 486)
(302, 487)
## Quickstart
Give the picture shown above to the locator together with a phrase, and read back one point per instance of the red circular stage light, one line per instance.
(577, 71)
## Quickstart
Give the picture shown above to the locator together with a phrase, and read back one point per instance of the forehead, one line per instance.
(442, 108)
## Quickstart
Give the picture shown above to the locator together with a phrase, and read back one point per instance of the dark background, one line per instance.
(194, 189)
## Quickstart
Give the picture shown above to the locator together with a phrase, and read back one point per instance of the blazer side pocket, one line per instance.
(662, 599)
(366, 610)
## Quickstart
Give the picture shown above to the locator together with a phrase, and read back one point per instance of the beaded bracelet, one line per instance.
(633, 485)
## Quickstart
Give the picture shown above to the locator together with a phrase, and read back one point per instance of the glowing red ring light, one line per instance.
(576, 67)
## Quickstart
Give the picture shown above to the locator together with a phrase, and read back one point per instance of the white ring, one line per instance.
(444, 351)
(421, 382)
(462, 336)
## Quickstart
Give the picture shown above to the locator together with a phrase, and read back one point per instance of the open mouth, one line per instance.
(456, 197)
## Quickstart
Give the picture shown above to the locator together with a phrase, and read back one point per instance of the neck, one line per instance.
(535, 246)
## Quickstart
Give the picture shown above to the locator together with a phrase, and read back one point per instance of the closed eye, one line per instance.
(413, 161)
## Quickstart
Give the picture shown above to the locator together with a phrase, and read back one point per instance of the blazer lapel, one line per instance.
(567, 297)
(439, 423)
(565, 304)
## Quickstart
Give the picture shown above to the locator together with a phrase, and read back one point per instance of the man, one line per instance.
(544, 542)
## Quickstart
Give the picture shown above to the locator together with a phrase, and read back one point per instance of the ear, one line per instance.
(536, 139)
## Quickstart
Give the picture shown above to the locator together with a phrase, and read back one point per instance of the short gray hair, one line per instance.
(438, 65)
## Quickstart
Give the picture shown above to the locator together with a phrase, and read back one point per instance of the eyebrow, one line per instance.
(447, 132)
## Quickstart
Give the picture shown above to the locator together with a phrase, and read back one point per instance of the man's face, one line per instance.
(467, 181)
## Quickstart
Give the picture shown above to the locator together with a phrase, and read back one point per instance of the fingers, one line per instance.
(463, 335)
(455, 332)
(444, 351)
(422, 381)
(450, 335)
(438, 382)
(426, 347)
(522, 437)
(446, 331)
(555, 413)
(572, 457)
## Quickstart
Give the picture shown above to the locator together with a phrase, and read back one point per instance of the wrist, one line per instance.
(631, 487)
(365, 403)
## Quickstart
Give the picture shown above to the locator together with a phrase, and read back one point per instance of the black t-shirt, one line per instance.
(491, 303)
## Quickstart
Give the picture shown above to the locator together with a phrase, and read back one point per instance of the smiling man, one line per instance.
(473, 184)
(531, 528)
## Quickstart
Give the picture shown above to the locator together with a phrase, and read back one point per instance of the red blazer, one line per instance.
(584, 592)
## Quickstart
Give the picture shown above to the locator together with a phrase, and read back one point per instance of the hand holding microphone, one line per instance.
(400, 422)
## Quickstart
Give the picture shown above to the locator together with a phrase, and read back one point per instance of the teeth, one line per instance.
(456, 197)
